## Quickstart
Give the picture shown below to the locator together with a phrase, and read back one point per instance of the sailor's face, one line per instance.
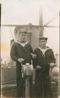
(42, 43)
(22, 37)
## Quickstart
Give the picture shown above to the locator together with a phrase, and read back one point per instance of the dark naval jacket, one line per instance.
(42, 78)
(18, 51)
(44, 59)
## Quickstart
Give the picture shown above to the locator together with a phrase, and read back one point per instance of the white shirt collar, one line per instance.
(22, 44)
(43, 50)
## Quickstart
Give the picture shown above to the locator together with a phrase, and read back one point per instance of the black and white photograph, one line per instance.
(30, 48)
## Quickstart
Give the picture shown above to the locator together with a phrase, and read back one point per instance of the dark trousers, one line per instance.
(43, 85)
(20, 85)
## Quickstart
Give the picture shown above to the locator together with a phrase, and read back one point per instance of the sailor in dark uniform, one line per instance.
(42, 63)
(21, 53)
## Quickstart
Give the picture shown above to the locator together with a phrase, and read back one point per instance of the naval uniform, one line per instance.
(20, 51)
(42, 81)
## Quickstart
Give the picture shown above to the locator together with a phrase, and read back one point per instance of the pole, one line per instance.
(27, 89)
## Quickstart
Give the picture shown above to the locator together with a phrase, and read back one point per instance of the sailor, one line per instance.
(21, 53)
(44, 60)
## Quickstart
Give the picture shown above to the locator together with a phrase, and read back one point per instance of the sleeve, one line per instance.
(51, 57)
(13, 53)
(31, 49)
(35, 61)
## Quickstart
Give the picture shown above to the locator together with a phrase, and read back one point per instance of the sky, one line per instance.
(29, 11)
(26, 11)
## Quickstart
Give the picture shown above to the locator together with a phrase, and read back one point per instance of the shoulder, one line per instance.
(15, 44)
(49, 49)
(28, 45)
(36, 50)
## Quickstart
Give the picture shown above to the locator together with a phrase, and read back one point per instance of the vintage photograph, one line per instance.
(30, 48)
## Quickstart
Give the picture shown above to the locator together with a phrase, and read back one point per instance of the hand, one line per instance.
(38, 67)
(52, 64)
(33, 55)
(20, 60)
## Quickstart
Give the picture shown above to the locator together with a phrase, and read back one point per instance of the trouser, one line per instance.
(20, 86)
(43, 86)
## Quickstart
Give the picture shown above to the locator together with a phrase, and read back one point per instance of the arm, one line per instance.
(52, 59)
(50, 56)
(35, 61)
(13, 53)
(14, 56)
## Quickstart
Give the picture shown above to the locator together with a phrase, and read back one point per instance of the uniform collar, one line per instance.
(43, 50)
(22, 44)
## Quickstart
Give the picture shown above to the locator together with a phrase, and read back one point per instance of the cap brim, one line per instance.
(43, 38)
